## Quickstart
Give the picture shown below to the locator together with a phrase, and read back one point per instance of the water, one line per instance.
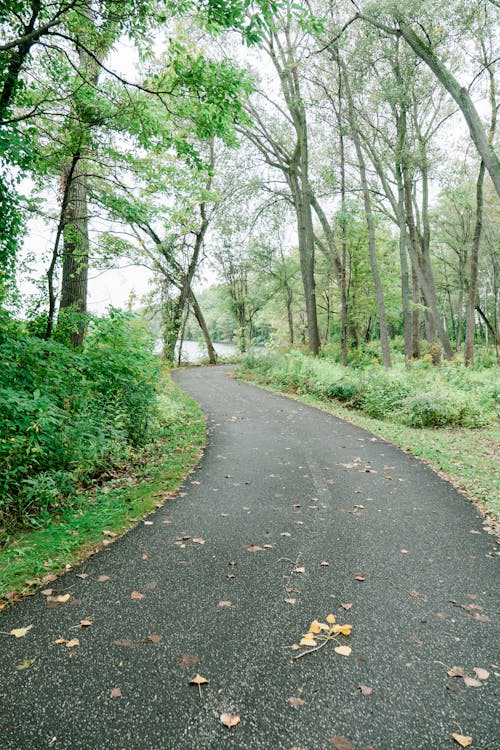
(192, 351)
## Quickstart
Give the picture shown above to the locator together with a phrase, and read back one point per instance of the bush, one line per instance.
(66, 415)
(421, 397)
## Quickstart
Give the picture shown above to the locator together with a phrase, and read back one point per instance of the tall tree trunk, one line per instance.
(474, 267)
(212, 354)
(403, 255)
(415, 315)
(76, 248)
(413, 248)
(382, 319)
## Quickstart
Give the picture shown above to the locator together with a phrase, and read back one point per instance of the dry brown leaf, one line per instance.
(472, 682)
(187, 660)
(111, 534)
(285, 533)
(60, 641)
(116, 693)
(296, 702)
(144, 557)
(20, 632)
(85, 623)
(456, 672)
(123, 642)
(154, 638)
(47, 592)
(365, 690)
(481, 674)
(198, 680)
(295, 647)
(343, 650)
(341, 743)
(291, 601)
(346, 606)
(324, 564)
(230, 576)
(252, 548)
(102, 579)
(359, 577)
(198, 540)
(136, 595)
(82, 575)
(299, 570)
(462, 739)
(268, 546)
(230, 720)
(72, 643)
(224, 603)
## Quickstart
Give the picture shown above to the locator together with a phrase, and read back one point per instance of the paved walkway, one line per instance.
(375, 538)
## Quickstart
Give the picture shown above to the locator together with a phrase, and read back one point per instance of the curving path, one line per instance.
(407, 557)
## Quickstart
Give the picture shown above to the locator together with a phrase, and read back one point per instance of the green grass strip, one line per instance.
(30, 555)
(468, 458)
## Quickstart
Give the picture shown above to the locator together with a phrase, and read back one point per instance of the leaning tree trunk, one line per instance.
(212, 354)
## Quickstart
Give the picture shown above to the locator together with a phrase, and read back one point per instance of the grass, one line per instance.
(468, 458)
(27, 557)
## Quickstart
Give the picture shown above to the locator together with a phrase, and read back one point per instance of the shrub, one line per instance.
(66, 415)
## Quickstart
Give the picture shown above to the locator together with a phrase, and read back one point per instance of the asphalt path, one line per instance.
(292, 515)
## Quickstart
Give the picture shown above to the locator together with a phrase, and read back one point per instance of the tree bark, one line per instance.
(76, 248)
(382, 319)
(212, 354)
(474, 268)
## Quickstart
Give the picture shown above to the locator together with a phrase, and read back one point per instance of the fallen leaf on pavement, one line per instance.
(343, 650)
(82, 575)
(296, 702)
(285, 533)
(324, 564)
(472, 682)
(341, 743)
(148, 523)
(230, 720)
(155, 638)
(305, 641)
(359, 577)
(136, 595)
(111, 534)
(365, 690)
(85, 623)
(188, 660)
(254, 548)
(144, 557)
(47, 592)
(462, 739)
(331, 619)
(481, 674)
(25, 664)
(198, 540)
(315, 627)
(299, 570)
(116, 693)
(123, 642)
(347, 606)
(224, 603)
(199, 680)
(456, 672)
(20, 632)
(102, 579)
(73, 643)
(290, 601)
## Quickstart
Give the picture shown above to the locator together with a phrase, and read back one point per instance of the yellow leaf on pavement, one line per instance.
(462, 739)
(330, 619)
(345, 629)
(343, 650)
(315, 627)
(307, 641)
(20, 632)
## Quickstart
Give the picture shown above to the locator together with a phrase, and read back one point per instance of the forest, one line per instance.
(317, 177)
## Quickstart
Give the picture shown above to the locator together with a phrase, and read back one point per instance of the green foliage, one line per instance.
(66, 415)
(421, 397)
